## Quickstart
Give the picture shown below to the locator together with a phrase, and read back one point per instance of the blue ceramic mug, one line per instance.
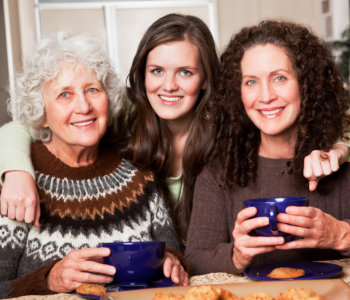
(137, 263)
(271, 207)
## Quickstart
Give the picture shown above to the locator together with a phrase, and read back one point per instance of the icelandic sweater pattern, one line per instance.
(80, 207)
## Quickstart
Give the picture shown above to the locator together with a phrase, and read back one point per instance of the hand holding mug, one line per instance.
(270, 208)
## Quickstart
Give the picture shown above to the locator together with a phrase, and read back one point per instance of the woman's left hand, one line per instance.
(172, 268)
(317, 228)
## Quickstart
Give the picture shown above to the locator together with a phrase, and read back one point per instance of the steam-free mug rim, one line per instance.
(138, 243)
(273, 200)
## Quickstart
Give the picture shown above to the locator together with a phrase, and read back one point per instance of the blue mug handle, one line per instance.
(272, 219)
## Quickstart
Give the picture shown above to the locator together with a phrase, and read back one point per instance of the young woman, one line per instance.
(280, 96)
(172, 82)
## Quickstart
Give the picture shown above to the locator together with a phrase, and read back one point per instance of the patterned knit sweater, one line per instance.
(80, 207)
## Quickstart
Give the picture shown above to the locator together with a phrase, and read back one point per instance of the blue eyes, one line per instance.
(276, 79)
(64, 95)
(157, 71)
(251, 82)
(280, 78)
(184, 73)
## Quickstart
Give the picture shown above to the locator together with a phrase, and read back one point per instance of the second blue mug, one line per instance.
(271, 207)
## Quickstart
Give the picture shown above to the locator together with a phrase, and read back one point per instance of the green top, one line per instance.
(175, 187)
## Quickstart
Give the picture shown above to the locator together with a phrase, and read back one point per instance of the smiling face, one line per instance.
(76, 108)
(270, 91)
(174, 78)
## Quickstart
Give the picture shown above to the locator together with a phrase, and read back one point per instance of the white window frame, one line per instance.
(109, 8)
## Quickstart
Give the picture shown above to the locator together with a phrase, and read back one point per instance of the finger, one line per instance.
(87, 253)
(186, 281)
(245, 214)
(37, 215)
(313, 185)
(334, 162)
(29, 215)
(297, 244)
(20, 213)
(87, 266)
(256, 242)
(167, 266)
(326, 167)
(86, 277)
(307, 172)
(4, 206)
(304, 211)
(316, 168)
(11, 213)
(296, 230)
(251, 224)
(323, 156)
(175, 274)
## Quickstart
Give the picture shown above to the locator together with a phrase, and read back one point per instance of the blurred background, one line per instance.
(120, 24)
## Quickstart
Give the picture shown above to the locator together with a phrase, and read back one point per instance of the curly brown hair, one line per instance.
(151, 144)
(324, 102)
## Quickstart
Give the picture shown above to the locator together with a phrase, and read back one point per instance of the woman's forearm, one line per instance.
(15, 148)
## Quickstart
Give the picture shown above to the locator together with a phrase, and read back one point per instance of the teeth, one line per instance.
(271, 112)
(171, 99)
(80, 124)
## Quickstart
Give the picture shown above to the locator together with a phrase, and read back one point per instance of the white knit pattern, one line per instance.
(68, 189)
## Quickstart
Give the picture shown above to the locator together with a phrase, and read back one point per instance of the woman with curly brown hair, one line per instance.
(280, 96)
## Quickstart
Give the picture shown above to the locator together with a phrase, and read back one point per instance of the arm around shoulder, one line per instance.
(15, 148)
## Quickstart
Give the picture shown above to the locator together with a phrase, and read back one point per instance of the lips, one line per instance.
(170, 98)
(271, 113)
(83, 123)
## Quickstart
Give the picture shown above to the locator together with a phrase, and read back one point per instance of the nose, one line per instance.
(82, 104)
(170, 83)
(267, 92)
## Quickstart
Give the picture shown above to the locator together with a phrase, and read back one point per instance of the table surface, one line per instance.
(211, 278)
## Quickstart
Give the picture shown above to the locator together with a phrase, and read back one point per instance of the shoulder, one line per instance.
(128, 165)
(336, 180)
(211, 173)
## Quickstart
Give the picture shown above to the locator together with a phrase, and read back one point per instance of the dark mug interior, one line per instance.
(137, 263)
(271, 207)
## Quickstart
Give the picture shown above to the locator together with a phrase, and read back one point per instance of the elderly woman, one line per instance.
(280, 97)
(89, 194)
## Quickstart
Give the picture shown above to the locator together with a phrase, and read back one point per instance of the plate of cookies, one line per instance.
(293, 271)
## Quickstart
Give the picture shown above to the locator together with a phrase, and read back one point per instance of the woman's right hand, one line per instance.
(247, 246)
(78, 267)
(19, 197)
(319, 164)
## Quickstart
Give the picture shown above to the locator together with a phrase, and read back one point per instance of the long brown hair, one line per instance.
(322, 118)
(151, 142)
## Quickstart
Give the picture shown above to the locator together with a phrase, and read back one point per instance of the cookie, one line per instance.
(204, 292)
(91, 289)
(299, 294)
(160, 296)
(226, 295)
(286, 273)
(258, 296)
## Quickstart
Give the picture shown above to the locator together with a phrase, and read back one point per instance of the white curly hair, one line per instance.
(27, 104)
